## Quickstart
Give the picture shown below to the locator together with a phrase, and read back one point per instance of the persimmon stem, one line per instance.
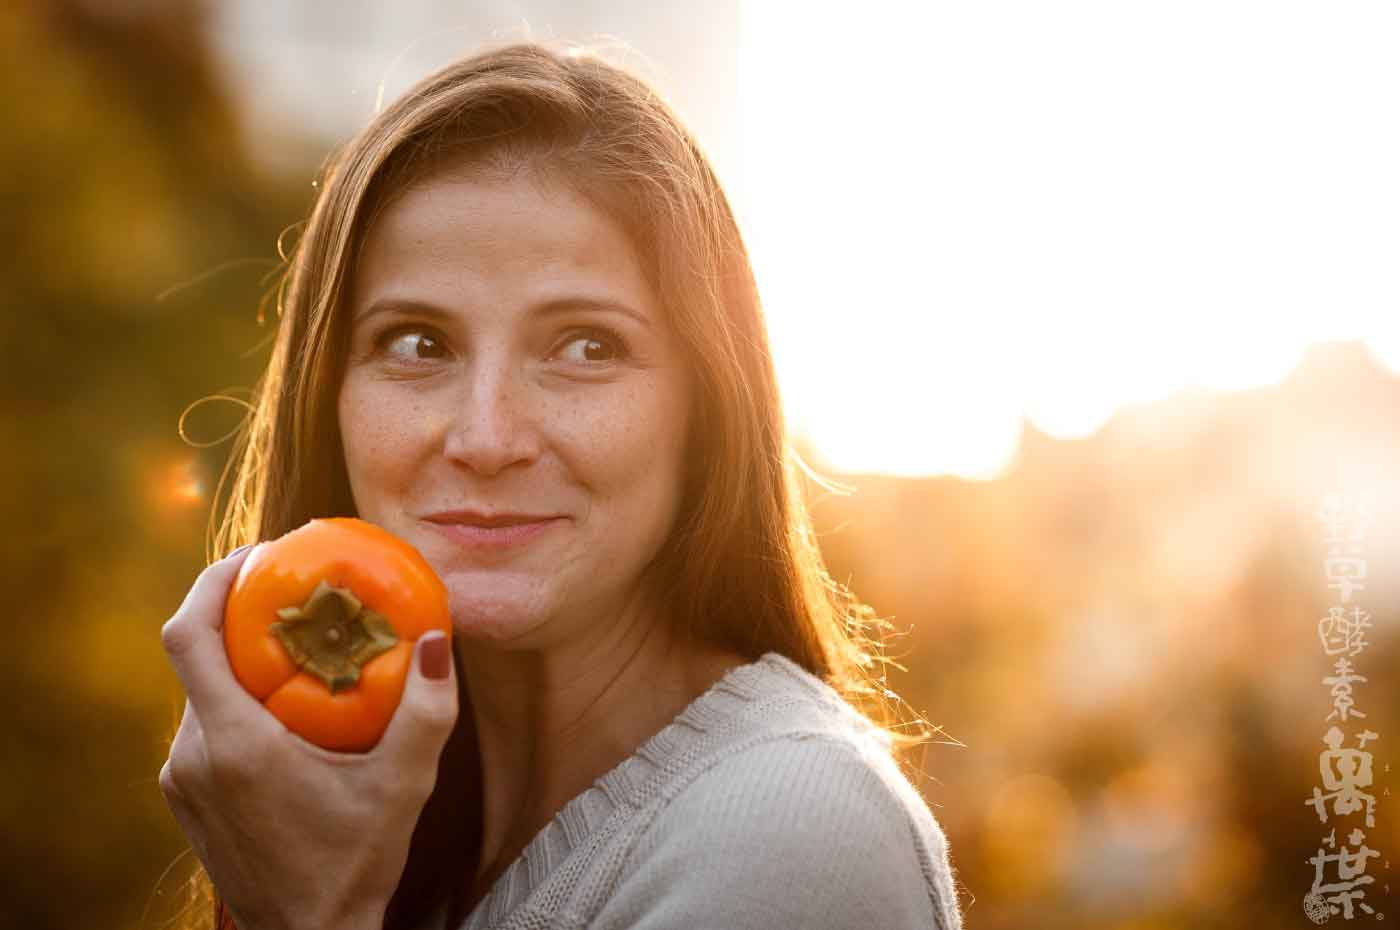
(333, 635)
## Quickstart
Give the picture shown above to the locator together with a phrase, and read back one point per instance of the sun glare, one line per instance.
(965, 214)
(181, 482)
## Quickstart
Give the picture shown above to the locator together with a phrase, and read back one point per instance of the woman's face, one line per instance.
(507, 356)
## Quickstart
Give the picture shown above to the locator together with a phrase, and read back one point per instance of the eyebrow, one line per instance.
(549, 308)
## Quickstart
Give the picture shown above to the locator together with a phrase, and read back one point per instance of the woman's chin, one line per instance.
(492, 619)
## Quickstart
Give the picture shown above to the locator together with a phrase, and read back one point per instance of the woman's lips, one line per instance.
(494, 537)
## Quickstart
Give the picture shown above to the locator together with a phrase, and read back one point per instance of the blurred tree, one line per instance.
(122, 177)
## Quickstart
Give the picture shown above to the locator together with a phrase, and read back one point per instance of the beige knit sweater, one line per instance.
(767, 803)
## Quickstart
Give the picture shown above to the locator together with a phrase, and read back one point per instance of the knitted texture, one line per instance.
(767, 803)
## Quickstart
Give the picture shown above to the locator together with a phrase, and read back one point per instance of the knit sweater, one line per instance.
(767, 803)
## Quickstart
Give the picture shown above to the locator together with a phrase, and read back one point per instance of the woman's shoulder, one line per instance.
(775, 691)
(778, 720)
(797, 807)
(778, 705)
(806, 789)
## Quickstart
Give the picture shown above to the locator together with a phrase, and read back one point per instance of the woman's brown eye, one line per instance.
(594, 346)
(402, 338)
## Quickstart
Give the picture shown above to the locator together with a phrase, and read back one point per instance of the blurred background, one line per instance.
(1086, 305)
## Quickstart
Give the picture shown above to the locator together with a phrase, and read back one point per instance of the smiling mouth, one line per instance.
(487, 520)
(502, 534)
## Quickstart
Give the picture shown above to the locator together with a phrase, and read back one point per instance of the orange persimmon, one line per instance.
(320, 625)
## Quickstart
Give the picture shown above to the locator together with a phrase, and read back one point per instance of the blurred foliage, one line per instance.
(1120, 633)
(122, 178)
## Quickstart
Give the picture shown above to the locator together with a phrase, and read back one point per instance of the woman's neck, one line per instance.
(548, 728)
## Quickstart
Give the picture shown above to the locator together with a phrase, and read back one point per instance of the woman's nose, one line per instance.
(492, 427)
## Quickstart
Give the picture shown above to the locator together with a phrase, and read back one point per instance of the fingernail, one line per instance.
(239, 550)
(434, 656)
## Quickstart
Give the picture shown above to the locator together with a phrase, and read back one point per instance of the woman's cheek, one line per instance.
(617, 438)
(380, 430)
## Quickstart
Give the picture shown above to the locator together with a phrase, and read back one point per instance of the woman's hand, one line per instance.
(292, 835)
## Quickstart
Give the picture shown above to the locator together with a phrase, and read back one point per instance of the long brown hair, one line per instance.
(741, 570)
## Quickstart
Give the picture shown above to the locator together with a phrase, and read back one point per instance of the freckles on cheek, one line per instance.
(634, 434)
(590, 434)
(376, 433)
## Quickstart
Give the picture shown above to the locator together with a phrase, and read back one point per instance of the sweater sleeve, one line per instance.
(790, 833)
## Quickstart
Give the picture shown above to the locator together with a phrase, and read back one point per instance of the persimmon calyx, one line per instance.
(333, 635)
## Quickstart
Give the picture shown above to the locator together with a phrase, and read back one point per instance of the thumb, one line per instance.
(428, 709)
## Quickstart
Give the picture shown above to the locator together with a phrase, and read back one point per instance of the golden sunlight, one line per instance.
(963, 214)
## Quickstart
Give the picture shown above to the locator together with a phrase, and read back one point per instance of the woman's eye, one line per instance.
(592, 346)
(411, 343)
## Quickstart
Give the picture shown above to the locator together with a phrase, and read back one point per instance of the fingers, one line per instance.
(428, 709)
(193, 639)
(187, 779)
(180, 774)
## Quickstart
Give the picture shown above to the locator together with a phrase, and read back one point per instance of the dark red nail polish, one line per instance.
(434, 656)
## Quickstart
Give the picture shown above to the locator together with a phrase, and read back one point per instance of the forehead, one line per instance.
(520, 233)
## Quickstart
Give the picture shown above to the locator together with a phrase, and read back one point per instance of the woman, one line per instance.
(521, 332)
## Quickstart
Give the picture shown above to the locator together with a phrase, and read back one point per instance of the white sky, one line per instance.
(1061, 208)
